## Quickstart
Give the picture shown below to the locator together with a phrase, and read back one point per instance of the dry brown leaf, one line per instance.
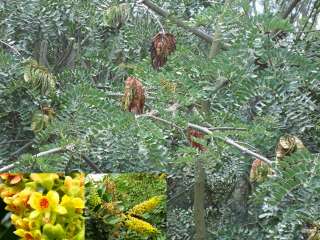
(134, 97)
(162, 45)
(192, 133)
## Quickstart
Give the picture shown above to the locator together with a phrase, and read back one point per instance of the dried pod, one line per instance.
(288, 145)
(162, 45)
(259, 171)
(192, 133)
(133, 99)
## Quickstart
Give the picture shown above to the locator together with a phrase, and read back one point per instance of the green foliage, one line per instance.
(290, 198)
(39, 78)
(110, 199)
(84, 50)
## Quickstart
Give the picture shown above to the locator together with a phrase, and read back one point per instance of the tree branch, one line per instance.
(292, 5)
(230, 142)
(116, 95)
(226, 129)
(69, 147)
(91, 164)
(20, 149)
(161, 120)
(13, 141)
(14, 49)
(203, 35)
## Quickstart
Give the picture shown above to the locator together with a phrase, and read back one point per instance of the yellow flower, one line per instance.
(146, 206)
(6, 191)
(24, 223)
(74, 186)
(46, 180)
(45, 204)
(21, 199)
(11, 178)
(28, 235)
(140, 226)
(72, 204)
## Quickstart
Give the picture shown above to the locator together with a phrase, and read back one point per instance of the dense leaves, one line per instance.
(263, 78)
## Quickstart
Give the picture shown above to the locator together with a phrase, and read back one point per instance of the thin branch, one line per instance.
(230, 142)
(140, 3)
(307, 21)
(8, 167)
(11, 47)
(13, 141)
(69, 147)
(161, 120)
(226, 129)
(21, 149)
(51, 151)
(179, 23)
(180, 193)
(292, 5)
(116, 95)
(91, 164)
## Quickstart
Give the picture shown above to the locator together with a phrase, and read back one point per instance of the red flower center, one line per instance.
(44, 203)
(28, 236)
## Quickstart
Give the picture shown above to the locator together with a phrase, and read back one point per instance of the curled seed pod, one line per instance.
(259, 171)
(134, 98)
(162, 45)
(39, 77)
(192, 133)
(288, 145)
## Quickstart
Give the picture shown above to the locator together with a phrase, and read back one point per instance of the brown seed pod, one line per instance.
(259, 171)
(134, 98)
(288, 145)
(192, 133)
(162, 45)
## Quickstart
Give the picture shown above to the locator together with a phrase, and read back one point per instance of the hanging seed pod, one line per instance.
(288, 145)
(116, 16)
(192, 133)
(162, 45)
(133, 99)
(259, 171)
(39, 78)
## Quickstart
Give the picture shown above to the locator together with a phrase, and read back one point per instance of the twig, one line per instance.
(116, 95)
(153, 15)
(21, 149)
(91, 164)
(291, 6)
(69, 147)
(12, 141)
(161, 120)
(179, 23)
(8, 167)
(226, 129)
(230, 142)
(180, 193)
(13, 48)
(51, 151)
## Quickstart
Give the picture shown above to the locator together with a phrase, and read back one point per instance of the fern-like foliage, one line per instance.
(290, 199)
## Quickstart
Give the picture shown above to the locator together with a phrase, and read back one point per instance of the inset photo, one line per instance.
(129, 206)
(42, 206)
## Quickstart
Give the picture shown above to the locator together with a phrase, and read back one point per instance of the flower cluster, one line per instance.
(146, 206)
(45, 206)
(140, 226)
(135, 224)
